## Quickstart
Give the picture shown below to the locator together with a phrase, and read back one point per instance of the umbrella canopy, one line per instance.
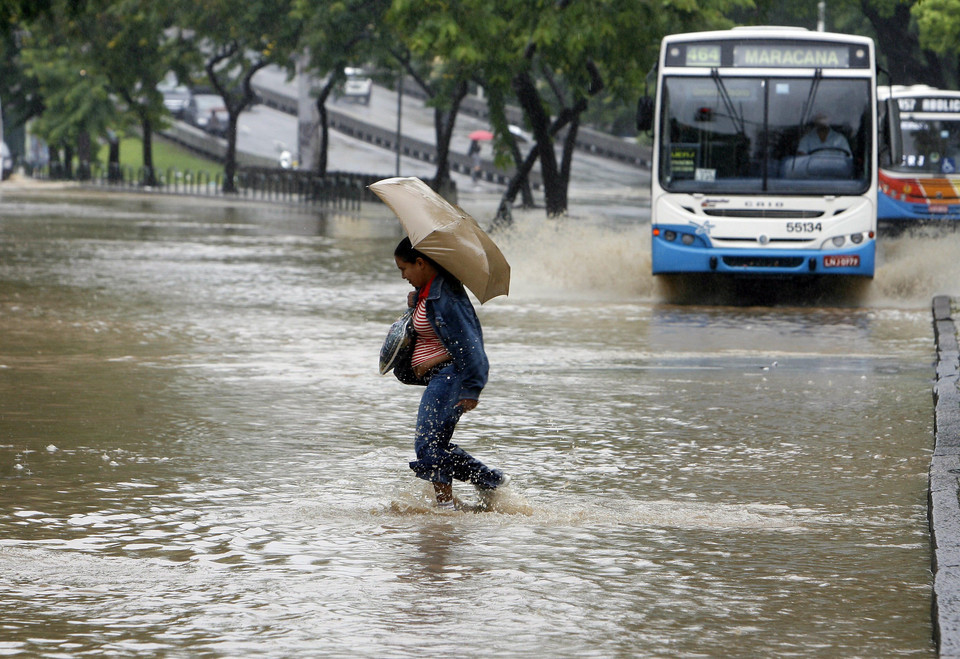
(481, 135)
(447, 235)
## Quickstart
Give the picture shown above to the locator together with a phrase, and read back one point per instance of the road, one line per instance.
(595, 181)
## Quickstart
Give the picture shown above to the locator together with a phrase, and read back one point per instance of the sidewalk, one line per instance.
(944, 504)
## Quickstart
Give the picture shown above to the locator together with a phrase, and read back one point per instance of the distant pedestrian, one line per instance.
(475, 162)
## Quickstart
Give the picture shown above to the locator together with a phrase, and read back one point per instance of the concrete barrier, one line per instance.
(944, 483)
(211, 146)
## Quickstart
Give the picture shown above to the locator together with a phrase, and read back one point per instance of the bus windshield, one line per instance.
(929, 144)
(750, 135)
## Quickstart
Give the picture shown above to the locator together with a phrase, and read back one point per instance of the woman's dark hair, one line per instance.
(407, 253)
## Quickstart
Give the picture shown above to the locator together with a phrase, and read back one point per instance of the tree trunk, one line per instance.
(230, 160)
(54, 164)
(529, 98)
(323, 127)
(113, 160)
(526, 193)
(444, 123)
(504, 216)
(908, 63)
(498, 116)
(569, 144)
(68, 162)
(149, 174)
(83, 156)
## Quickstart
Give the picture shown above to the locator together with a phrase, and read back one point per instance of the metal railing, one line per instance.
(338, 190)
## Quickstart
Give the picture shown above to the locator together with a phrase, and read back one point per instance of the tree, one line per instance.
(897, 26)
(20, 12)
(445, 85)
(450, 45)
(232, 42)
(76, 100)
(19, 90)
(443, 50)
(335, 35)
(121, 45)
(20, 93)
(552, 57)
(133, 44)
(938, 27)
(898, 43)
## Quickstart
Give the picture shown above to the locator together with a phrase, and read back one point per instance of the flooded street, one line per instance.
(198, 457)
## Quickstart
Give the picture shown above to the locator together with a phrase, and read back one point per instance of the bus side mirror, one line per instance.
(890, 127)
(644, 114)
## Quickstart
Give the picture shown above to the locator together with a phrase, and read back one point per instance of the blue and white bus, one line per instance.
(765, 152)
(919, 156)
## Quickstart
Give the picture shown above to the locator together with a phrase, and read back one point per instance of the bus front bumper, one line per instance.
(674, 257)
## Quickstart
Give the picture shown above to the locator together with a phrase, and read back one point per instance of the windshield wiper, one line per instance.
(737, 119)
(808, 104)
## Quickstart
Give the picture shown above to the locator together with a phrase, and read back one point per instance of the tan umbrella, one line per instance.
(447, 235)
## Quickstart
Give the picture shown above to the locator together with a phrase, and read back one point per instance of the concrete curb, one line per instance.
(944, 488)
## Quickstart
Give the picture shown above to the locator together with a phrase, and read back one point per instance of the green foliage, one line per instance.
(342, 33)
(76, 99)
(938, 23)
(234, 40)
(93, 65)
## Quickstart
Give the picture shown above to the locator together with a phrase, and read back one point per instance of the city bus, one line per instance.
(919, 175)
(765, 150)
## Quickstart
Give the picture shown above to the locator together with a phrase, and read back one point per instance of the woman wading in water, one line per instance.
(448, 356)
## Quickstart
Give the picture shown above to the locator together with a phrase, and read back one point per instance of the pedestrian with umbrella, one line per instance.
(445, 250)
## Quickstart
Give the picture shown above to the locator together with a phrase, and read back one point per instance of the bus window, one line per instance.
(930, 145)
(744, 135)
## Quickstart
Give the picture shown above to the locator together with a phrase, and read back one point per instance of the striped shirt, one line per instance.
(428, 345)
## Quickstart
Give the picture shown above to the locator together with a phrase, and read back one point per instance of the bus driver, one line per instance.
(821, 137)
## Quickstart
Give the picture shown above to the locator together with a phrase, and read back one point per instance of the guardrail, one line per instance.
(387, 139)
(418, 149)
(337, 190)
(214, 147)
(592, 141)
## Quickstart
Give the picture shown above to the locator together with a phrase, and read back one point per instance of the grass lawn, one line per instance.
(166, 155)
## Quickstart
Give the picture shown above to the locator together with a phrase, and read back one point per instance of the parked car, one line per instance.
(7, 160)
(358, 86)
(207, 112)
(176, 98)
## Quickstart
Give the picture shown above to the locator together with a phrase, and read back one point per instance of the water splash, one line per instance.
(915, 266)
(420, 501)
(553, 258)
(590, 258)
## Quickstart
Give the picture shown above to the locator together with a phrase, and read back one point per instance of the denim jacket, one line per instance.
(454, 320)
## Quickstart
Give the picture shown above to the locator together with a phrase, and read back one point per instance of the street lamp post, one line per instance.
(399, 115)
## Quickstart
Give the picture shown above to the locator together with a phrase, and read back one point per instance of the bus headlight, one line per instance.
(856, 238)
(838, 241)
(687, 239)
(670, 235)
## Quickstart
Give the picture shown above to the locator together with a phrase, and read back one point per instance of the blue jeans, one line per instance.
(439, 461)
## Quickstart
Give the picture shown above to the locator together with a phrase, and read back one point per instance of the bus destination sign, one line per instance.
(753, 53)
(791, 56)
(914, 104)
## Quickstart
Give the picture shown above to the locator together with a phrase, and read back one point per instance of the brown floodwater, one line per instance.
(198, 457)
